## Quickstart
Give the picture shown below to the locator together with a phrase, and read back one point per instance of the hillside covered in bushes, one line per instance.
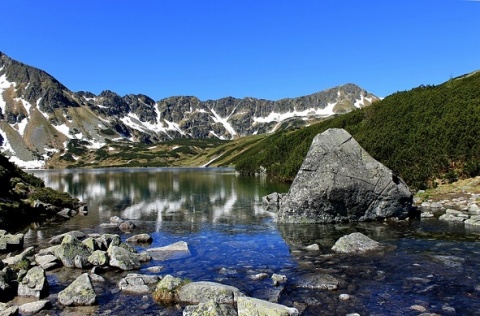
(427, 134)
(24, 198)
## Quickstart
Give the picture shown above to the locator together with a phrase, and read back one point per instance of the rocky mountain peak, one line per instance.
(40, 116)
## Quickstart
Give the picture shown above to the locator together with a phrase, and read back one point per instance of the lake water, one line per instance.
(428, 265)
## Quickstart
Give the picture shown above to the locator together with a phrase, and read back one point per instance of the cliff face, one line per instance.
(39, 116)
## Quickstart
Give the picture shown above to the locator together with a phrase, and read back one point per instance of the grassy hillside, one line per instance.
(425, 134)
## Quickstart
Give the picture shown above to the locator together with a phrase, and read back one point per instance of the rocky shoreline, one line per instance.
(24, 275)
(456, 202)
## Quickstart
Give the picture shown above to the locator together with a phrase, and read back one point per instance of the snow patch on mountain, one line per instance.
(64, 129)
(359, 103)
(95, 145)
(4, 84)
(22, 125)
(134, 122)
(224, 121)
(31, 164)
(278, 117)
(174, 127)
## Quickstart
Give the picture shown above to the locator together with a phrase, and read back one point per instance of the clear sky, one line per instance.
(268, 49)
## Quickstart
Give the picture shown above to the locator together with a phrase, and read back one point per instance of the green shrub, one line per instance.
(50, 196)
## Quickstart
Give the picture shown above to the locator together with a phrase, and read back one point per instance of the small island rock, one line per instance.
(355, 243)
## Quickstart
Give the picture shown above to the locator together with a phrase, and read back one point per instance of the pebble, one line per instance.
(279, 278)
(448, 309)
(418, 308)
(344, 297)
(313, 247)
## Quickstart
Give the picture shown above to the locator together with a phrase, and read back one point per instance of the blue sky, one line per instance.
(265, 49)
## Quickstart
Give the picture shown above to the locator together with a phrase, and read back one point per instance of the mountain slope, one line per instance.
(426, 135)
(40, 117)
(24, 198)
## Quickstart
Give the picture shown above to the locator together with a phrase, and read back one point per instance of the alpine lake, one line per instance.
(427, 266)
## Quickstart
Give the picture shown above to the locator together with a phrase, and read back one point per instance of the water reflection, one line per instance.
(165, 194)
(232, 237)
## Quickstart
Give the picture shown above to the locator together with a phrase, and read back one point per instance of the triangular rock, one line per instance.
(339, 181)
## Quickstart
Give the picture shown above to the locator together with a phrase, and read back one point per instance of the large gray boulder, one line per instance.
(6, 309)
(210, 308)
(34, 283)
(33, 307)
(72, 252)
(203, 291)
(9, 242)
(123, 259)
(249, 306)
(339, 181)
(80, 292)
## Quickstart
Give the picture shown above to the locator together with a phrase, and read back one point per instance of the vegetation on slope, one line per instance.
(425, 134)
(174, 153)
(18, 192)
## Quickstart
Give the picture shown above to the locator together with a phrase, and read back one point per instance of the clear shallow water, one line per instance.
(232, 237)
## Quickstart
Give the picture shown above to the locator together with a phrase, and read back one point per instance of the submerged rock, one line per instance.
(140, 238)
(339, 181)
(279, 278)
(450, 261)
(137, 283)
(176, 250)
(33, 307)
(317, 281)
(126, 226)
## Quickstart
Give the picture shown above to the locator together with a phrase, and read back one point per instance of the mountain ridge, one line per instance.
(39, 116)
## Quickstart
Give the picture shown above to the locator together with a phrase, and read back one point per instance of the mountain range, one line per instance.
(41, 118)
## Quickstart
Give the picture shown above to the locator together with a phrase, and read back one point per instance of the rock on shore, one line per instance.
(339, 181)
(211, 298)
